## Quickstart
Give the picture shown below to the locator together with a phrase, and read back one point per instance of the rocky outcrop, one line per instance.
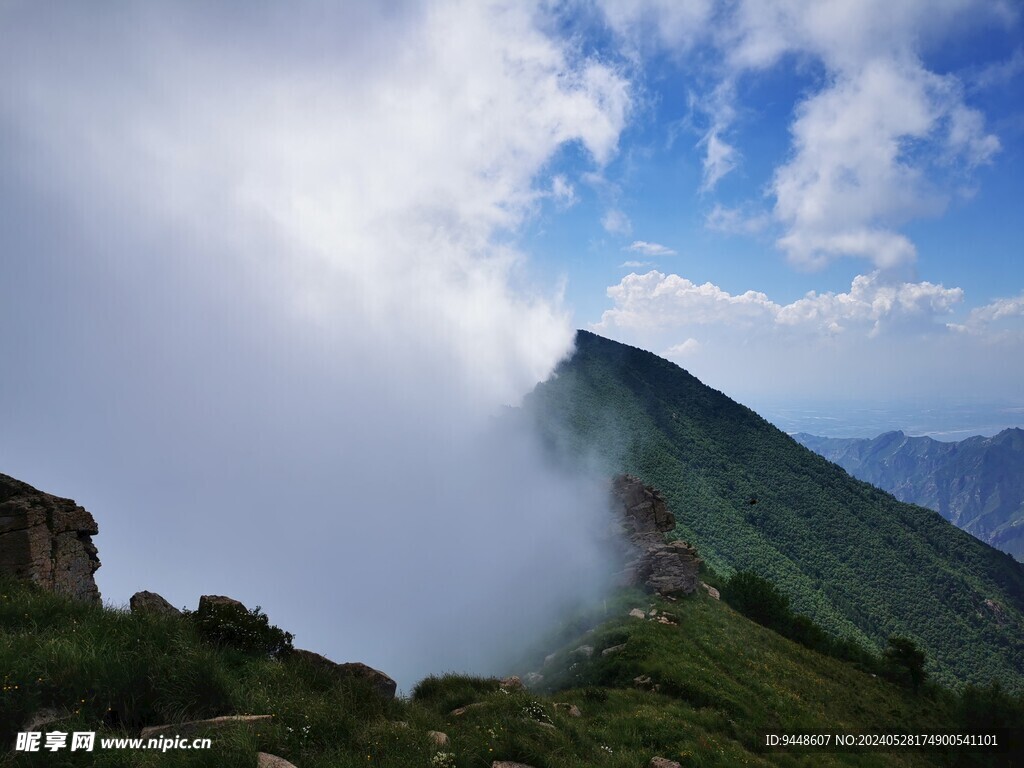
(47, 540)
(668, 568)
(381, 683)
(641, 507)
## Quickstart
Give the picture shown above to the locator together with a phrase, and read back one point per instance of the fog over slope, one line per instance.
(259, 308)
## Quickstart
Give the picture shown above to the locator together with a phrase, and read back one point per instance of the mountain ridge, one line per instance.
(749, 497)
(976, 483)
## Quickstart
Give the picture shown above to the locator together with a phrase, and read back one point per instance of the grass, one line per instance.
(713, 684)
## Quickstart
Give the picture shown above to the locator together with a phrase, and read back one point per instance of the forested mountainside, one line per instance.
(852, 557)
(976, 484)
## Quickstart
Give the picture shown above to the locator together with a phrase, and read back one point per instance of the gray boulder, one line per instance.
(207, 602)
(151, 602)
(267, 760)
(381, 683)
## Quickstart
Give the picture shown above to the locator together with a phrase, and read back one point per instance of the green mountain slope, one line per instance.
(976, 484)
(852, 557)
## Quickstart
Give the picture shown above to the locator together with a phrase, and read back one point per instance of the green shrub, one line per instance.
(250, 632)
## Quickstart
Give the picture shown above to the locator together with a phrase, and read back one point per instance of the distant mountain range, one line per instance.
(977, 483)
(856, 560)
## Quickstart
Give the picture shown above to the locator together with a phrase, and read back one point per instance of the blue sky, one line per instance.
(266, 275)
(940, 208)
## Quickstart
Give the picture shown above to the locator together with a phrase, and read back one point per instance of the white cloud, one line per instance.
(616, 222)
(1000, 309)
(997, 313)
(649, 249)
(875, 145)
(635, 264)
(880, 336)
(674, 25)
(851, 179)
(656, 301)
(281, 284)
(741, 220)
(866, 145)
(684, 350)
(872, 300)
(813, 249)
(720, 158)
(845, 33)
(416, 152)
(563, 192)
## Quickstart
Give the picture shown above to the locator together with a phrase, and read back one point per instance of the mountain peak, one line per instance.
(631, 411)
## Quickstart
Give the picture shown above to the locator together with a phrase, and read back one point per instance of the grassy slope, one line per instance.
(724, 681)
(850, 556)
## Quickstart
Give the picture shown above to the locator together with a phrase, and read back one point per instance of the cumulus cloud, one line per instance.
(683, 350)
(999, 313)
(872, 300)
(851, 179)
(281, 286)
(874, 145)
(649, 249)
(635, 264)
(867, 145)
(656, 301)
(880, 336)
